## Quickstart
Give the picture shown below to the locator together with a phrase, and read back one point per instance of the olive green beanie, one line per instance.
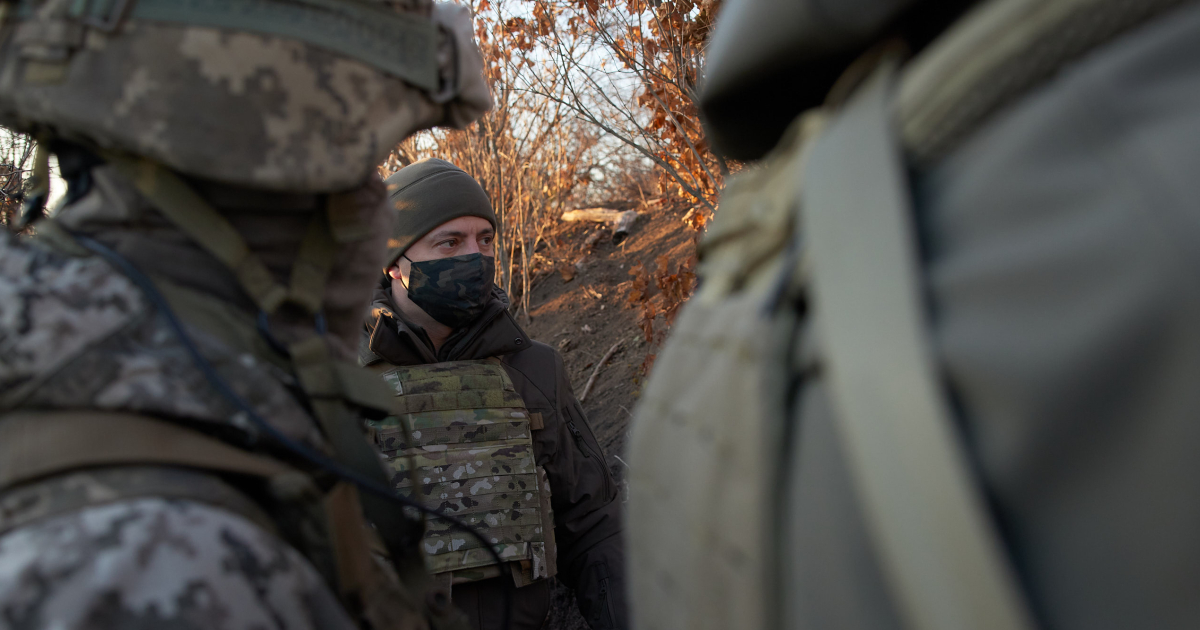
(427, 194)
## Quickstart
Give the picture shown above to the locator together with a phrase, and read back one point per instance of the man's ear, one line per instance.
(394, 272)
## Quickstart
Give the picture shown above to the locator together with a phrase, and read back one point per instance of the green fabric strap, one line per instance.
(329, 386)
(42, 443)
(192, 214)
(940, 554)
(323, 377)
(310, 270)
(228, 323)
(401, 45)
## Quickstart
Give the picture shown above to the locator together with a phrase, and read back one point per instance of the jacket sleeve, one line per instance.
(587, 510)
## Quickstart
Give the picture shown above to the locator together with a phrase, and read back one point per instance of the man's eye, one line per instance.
(450, 243)
(487, 240)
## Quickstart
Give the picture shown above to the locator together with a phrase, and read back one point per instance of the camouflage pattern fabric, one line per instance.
(76, 334)
(54, 496)
(278, 114)
(155, 563)
(464, 445)
(452, 290)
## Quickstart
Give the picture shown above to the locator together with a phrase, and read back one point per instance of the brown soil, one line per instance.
(584, 316)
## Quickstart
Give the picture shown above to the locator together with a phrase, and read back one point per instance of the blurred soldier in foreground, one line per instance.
(179, 408)
(941, 373)
(490, 430)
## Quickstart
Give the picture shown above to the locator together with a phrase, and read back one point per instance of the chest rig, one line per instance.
(464, 444)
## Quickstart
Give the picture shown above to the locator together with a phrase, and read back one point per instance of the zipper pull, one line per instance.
(578, 438)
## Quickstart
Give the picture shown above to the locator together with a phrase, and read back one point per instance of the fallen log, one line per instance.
(622, 221)
(599, 215)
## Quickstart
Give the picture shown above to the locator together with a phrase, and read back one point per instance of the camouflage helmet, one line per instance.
(297, 95)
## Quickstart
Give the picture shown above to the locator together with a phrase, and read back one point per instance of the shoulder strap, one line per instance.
(940, 553)
(61, 494)
(184, 207)
(39, 444)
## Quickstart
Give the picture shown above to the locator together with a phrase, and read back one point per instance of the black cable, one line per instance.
(144, 283)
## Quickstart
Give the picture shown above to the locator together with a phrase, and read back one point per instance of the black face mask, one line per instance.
(452, 290)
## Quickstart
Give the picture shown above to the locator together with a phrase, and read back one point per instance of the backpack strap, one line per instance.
(51, 497)
(940, 553)
(46, 456)
(184, 207)
(45, 443)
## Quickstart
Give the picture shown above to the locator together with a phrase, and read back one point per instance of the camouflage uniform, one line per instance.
(79, 335)
(56, 307)
(159, 563)
(464, 443)
(174, 123)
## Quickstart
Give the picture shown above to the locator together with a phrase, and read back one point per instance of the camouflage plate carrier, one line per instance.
(464, 445)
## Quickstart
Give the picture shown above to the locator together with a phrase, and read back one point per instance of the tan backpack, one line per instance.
(821, 231)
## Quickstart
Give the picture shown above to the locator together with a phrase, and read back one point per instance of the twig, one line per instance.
(596, 372)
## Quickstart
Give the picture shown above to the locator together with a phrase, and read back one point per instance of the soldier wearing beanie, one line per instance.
(491, 431)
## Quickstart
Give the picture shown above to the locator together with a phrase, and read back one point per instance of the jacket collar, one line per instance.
(389, 337)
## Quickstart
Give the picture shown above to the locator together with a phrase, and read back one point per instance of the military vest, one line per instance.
(464, 444)
(810, 269)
